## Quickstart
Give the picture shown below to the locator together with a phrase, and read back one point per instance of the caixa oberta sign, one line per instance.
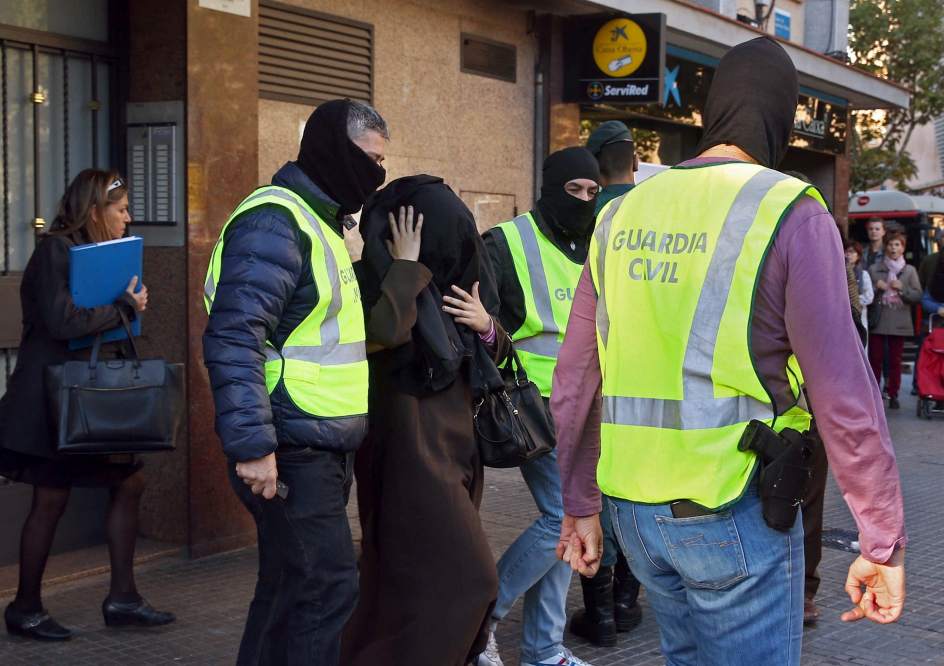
(614, 58)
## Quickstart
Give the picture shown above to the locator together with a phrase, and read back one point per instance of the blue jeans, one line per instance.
(530, 567)
(610, 545)
(726, 589)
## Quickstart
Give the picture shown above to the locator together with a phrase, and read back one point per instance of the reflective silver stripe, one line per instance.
(271, 353)
(331, 351)
(209, 287)
(330, 329)
(340, 354)
(698, 408)
(687, 414)
(542, 344)
(602, 237)
(540, 292)
(700, 351)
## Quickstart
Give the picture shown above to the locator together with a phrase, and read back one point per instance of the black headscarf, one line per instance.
(565, 213)
(452, 250)
(752, 102)
(334, 162)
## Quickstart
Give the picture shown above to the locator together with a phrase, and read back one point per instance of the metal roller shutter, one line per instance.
(309, 57)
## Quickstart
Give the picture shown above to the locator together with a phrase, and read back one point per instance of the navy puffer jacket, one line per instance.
(265, 290)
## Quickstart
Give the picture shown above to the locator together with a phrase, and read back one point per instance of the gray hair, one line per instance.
(363, 118)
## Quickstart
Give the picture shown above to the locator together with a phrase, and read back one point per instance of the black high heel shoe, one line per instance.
(39, 625)
(134, 614)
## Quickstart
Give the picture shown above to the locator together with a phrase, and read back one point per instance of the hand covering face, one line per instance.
(454, 253)
(752, 102)
(334, 162)
(565, 213)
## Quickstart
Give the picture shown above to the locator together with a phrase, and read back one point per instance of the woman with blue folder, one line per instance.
(93, 209)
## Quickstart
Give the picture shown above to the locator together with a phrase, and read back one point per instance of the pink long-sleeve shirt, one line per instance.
(801, 307)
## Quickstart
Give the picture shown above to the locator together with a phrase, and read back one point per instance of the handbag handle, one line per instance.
(521, 376)
(97, 344)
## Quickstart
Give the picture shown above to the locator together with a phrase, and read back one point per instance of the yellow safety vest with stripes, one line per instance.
(548, 280)
(675, 264)
(323, 361)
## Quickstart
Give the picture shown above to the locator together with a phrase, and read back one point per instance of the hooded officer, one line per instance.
(285, 351)
(538, 258)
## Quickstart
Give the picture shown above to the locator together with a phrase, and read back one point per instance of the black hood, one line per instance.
(565, 213)
(334, 162)
(752, 102)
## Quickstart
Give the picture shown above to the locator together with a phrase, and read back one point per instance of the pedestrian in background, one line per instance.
(610, 597)
(537, 258)
(93, 209)
(930, 266)
(428, 580)
(726, 586)
(875, 250)
(896, 288)
(284, 348)
(853, 251)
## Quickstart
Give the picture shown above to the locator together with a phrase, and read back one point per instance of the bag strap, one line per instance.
(514, 362)
(127, 326)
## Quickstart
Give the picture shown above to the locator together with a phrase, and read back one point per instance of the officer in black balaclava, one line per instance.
(538, 258)
(564, 214)
(279, 264)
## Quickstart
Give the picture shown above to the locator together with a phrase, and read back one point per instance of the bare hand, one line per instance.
(581, 544)
(884, 594)
(468, 309)
(940, 311)
(140, 298)
(259, 474)
(881, 284)
(406, 236)
(896, 284)
(354, 242)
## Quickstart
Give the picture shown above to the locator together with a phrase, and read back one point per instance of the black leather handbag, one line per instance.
(512, 424)
(116, 405)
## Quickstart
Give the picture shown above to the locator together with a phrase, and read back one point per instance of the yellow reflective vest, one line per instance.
(548, 280)
(675, 264)
(323, 361)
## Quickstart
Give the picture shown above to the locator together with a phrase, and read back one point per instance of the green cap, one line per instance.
(608, 132)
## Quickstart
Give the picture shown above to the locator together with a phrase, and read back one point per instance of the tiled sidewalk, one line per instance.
(210, 596)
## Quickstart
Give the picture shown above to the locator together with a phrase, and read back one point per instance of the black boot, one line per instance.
(625, 594)
(595, 623)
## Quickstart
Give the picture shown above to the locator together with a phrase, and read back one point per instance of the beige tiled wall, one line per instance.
(475, 132)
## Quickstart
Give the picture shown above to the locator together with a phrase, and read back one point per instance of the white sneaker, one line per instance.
(490, 657)
(563, 658)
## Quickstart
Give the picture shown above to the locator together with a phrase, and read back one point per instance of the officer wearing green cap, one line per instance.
(612, 144)
(610, 596)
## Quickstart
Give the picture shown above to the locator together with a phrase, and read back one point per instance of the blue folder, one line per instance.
(98, 274)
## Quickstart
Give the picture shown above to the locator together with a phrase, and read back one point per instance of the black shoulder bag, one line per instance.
(512, 425)
(115, 406)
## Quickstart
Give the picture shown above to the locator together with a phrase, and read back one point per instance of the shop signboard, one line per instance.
(614, 58)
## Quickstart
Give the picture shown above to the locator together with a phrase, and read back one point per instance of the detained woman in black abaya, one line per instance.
(427, 575)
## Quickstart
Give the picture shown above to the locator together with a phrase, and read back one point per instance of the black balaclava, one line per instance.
(752, 102)
(565, 213)
(334, 162)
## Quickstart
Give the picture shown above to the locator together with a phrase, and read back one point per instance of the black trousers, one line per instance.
(813, 518)
(307, 584)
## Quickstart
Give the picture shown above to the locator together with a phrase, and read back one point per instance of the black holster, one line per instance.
(785, 470)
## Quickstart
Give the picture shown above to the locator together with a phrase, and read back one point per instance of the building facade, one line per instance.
(200, 101)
